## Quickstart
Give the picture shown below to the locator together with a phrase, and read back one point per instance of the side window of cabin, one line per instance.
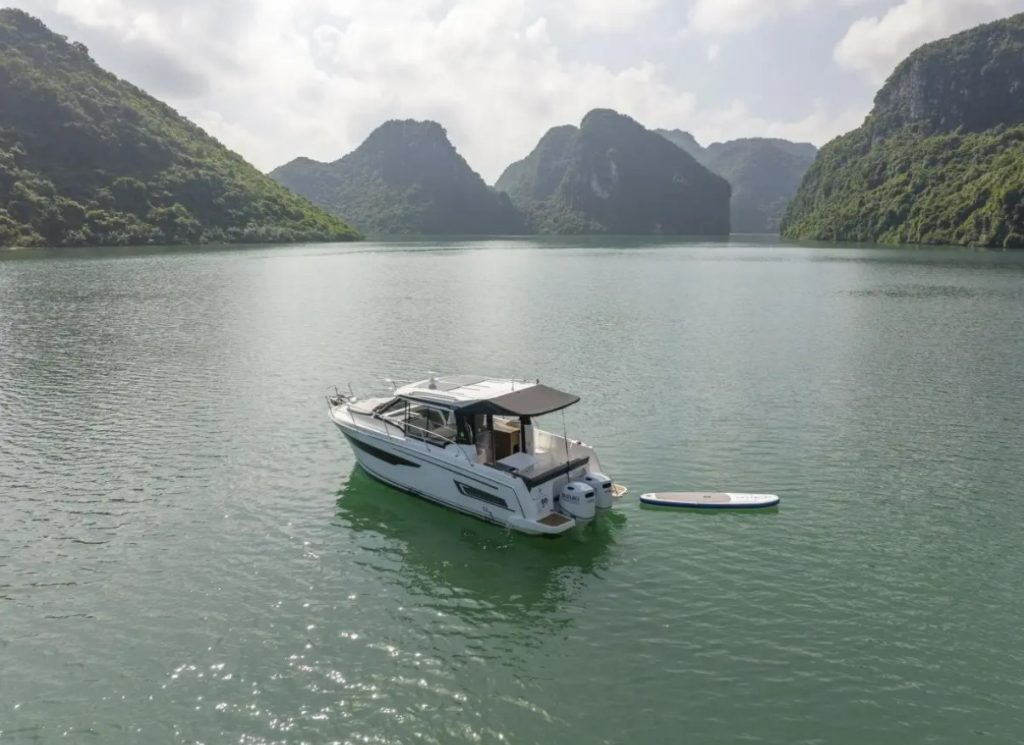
(435, 425)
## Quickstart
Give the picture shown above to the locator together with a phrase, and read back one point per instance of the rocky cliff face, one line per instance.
(406, 178)
(612, 175)
(940, 159)
(973, 81)
(764, 174)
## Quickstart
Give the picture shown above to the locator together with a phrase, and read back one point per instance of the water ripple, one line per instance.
(191, 556)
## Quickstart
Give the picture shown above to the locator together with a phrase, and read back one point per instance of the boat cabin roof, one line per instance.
(474, 394)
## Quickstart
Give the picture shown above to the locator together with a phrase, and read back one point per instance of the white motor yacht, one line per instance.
(469, 442)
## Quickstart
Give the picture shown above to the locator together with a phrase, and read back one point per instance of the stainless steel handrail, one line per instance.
(425, 440)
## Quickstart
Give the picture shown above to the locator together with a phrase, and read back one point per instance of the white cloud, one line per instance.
(818, 126)
(607, 16)
(281, 81)
(874, 45)
(722, 17)
(275, 80)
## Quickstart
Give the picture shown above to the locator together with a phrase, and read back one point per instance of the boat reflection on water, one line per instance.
(466, 566)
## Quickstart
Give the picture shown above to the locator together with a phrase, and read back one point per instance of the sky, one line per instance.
(278, 79)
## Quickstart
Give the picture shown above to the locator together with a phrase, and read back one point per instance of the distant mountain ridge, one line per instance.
(683, 139)
(87, 158)
(764, 173)
(405, 178)
(612, 175)
(940, 158)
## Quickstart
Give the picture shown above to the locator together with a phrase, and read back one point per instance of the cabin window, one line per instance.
(394, 413)
(394, 410)
(420, 421)
(435, 425)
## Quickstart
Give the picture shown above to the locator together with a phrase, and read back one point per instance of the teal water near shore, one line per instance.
(189, 555)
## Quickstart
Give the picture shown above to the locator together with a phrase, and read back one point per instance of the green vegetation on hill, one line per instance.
(406, 178)
(940, 159)
(965, 189)
(611, 175)
(764, 174)
(87, 159)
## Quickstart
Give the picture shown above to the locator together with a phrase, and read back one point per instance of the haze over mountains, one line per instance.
(764, 174)
(609, 175)
(406, 178)
(613, 175)
(86, 158)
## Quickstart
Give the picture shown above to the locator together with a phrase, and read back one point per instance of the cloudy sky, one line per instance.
(274, 79)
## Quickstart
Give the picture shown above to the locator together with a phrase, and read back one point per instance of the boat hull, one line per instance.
(427, 472)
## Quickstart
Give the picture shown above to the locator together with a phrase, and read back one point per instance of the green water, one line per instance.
(188, 554)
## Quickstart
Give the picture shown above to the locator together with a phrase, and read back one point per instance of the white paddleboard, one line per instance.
(711, 500)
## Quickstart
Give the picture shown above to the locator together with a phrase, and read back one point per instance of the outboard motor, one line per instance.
(602, 486)
(577, 501)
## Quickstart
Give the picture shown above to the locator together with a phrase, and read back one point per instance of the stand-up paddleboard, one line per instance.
(701, 500)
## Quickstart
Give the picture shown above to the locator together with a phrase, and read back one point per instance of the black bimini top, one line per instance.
(533, 401)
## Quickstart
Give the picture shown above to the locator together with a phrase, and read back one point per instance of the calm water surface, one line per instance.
(188, 554)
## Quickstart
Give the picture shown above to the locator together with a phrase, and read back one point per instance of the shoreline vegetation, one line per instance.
(88, 159)
(940, 158)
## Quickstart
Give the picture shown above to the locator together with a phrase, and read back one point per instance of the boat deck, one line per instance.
(555, 520)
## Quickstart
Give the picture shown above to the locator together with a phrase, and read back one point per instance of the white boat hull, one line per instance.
(425, 475)
(429, 472)
(470, 443)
